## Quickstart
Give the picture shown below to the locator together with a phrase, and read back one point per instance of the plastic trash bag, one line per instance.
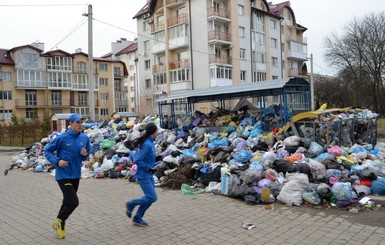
(315, 149)
(187, 190)
(378, 186)
(342, 191)
(311, 197)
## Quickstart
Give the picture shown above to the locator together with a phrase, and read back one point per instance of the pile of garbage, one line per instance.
(233, 156)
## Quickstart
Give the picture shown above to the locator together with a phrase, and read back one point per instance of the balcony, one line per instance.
(160, 68)
(217, 14)
(31, 84)
(177, 20)
(174, 3)
(297, 51)
(177, 64)
(38, 103)
(180, 86)
(218, 82)
(219, 37)
(219, 59)
(293, 72)
(159, 26)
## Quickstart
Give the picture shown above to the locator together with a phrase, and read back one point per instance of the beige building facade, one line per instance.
(35, 83)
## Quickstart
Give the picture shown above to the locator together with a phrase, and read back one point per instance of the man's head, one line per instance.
(76, 121)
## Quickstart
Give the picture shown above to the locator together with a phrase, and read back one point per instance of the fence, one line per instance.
(20, 135)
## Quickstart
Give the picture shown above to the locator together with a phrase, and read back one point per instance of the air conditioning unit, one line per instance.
(146, 16)
(150, 20)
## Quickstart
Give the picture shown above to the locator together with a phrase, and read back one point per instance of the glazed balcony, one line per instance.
(177, 20)
(219, 59)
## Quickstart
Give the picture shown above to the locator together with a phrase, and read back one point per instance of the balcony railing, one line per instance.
(218, 12)
(157, 26)
(159, 68)
(177, 64)
(174, 2)
(220, 59)
(297, 72)
(177, 20)
(219, 35)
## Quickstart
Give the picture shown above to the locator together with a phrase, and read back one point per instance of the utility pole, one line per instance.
(90, 63)
(311, 83)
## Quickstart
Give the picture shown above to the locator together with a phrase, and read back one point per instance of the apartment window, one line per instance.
(147, 64)
(56, 98)
(274, 61)
(6, 76)
(5, 114)
(59, 63)
(117, 71)
(260, 39)
(160, 78)
(260, 23)
(31, 113)
(261, 58)
(289, 31)
(221, 72)
(82, 68)
(30, 98)
(242, 53)
(146, 45)
(273, 24)
(243, 75)
(145, 26)
(102, 67)
(241, 31)
(240, 10)
(180, 75)
(30, 60)
(82, 98)
(159, 37)
(104, 96)
(103, 81)
(274, 77)
(148, 83)
(149, 102)
(177, 31)
(104, 111)
(5, 95)
(273, 43)
(261, 76)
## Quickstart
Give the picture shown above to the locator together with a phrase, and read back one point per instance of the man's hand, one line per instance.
(62, 163)
(84, 151)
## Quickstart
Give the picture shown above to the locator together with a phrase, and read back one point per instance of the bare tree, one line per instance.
(359, 54)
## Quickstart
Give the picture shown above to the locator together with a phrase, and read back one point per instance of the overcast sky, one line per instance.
(65, 28)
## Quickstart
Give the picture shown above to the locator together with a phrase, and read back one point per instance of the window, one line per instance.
(260, 23)
(260, 39)
(243, 75)
(241, 31)
(103, 81)
(82, 97)
(149, 102)
(104, 112)
(82, 68)
(6, 76)
(177, 31)
(273, 24)
(56, 98)
(160, 78)
(146, 45)
(274, 77)
(103, 67)
(240, 10)
(5, 95)
(145, 26)
(261, 76)
(104, 96)
(242, 53)
(117, 71)
(180, 75)
(221, 72)
(147, 64)
(261, 58)
(59, 63)
(148, 83)
(274, 61)
(30, 60)
(5, 114)
(132, 89)
(31, 113)
(273, 43)
(30, 98)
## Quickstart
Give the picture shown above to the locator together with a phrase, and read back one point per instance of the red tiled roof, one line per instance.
(128, 49)
(5, 58)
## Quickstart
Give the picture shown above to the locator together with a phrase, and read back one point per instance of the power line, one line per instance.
(40, 5)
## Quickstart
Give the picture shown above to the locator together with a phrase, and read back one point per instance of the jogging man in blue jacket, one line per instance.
(66, 152)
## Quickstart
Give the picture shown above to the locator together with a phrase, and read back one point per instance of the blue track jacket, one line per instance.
(145, 159)
(68, 146)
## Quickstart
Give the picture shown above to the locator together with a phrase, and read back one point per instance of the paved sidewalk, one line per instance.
(29, 202)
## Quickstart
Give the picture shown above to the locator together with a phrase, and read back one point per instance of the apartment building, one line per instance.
(188, 45)
(35, 83)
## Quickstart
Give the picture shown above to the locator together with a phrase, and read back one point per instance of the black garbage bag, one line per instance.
(281, 166)
(187, 160)
(221, 157)
(210, 175)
